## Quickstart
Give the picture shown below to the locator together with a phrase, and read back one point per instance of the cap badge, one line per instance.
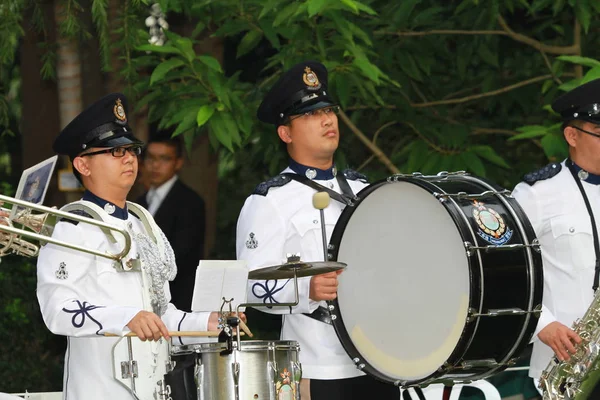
(311, 79)
(119, 111)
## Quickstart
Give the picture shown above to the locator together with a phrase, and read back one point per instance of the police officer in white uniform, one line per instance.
(279, 219)
(83, 296)
(562, 201)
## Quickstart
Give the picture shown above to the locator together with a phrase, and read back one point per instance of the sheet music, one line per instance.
(216, 279)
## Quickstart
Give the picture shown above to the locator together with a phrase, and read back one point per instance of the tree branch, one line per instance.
(371, 146)
(549, 65)
(506, 31)
(482, 95)
(441, 32)
(572, 49)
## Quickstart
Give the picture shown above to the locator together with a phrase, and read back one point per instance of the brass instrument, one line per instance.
(575, 378)
(39, 226)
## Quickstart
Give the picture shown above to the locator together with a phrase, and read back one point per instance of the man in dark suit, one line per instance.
(177, 209)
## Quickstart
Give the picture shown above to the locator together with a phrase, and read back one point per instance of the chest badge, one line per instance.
(492, 227)
(251, 243)
(62, 273)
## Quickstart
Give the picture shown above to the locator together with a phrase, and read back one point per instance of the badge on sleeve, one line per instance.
(61, 272)
(251, 243)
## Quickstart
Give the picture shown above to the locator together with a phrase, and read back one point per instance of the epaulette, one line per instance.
(354, 175)
(277, 181)
(543, 173)
(76, 212)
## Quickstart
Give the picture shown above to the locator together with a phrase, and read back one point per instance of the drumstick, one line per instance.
(245, 328)
(177, 333)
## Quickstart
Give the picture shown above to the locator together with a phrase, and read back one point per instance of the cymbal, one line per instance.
(286, 271)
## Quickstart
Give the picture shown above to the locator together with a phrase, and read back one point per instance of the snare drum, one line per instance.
(264, 370)
(444, 279)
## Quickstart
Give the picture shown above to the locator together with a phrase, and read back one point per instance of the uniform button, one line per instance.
(315, 221)
(571, 229)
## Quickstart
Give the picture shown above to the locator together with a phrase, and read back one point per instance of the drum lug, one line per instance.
(486, 362)
(272, 371)
(501, 312)
(129, 369)
(200, 375)
(235, 370)
(535, 245)
(297, 376)
(163, 392)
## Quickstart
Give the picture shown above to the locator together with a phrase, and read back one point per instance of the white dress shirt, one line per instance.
(155, 196)
(562, 224)
(284, 222)
(83, 296)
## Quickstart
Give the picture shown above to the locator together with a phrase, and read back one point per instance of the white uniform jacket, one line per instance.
(562, 224)
(83, 296)
(283, 222)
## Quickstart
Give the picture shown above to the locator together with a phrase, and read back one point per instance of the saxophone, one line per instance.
(576, 378)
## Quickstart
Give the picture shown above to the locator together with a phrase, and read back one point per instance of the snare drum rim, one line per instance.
(246, 345)
(338, 323)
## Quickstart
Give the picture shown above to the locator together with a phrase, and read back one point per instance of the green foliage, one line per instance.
(33, 357)
(444, 100)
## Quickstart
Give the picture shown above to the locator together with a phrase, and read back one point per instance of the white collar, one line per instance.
(161, 191)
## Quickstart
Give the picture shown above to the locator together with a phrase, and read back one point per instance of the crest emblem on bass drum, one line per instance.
(492, 227)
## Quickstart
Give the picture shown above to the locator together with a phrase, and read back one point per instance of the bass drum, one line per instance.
(444, 279)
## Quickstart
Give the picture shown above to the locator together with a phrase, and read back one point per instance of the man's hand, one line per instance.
(324, 286)
(148, 326)
(560, 338)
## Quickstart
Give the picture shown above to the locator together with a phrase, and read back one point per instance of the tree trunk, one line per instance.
(40, 122)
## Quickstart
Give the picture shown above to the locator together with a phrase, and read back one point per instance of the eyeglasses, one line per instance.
(158, 159)
(117, 151)
(318, 112)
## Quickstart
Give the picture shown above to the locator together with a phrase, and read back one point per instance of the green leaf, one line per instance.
(158, 49)
(530, 131)
(315, 7)
(572, 84)
(342, 88)
(204, 114)
(270, 33)
(286, 13)
(210, 62)
(186, 47)
(557, 7)
(268, 7)
(404, 11)
(417, 156)
(591, 75)
(248, 42)
(187, 123)
(554, 147)
(367, 68)
(163, 68)
(225, 129)
(490, 57)
(351, 5)
(489, 154)
(588, 62)
(583, 14)
(547, 85)
(472, 163)
(365, 8)
(409, 67)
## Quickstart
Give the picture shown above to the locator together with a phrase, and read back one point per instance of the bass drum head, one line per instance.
(403, 299)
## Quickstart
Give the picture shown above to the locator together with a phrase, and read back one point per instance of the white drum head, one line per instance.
(404, 296)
